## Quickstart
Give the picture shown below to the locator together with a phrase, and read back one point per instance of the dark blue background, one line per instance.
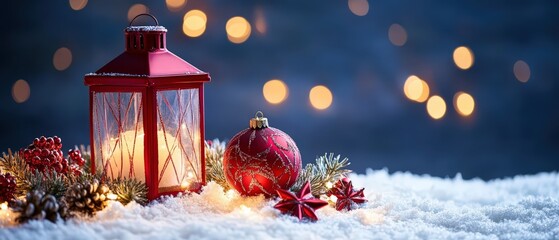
(514, 129)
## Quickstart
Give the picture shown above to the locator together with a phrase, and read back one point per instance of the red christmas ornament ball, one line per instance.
(261, 159)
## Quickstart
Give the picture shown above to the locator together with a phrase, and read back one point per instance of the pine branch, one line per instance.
(214, 162)
(327, 170)
(49, 182)
(17, 167)
(86, 177)
(128, 190)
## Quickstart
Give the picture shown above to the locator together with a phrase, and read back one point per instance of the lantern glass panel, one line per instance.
(178, 139)
(119, 134)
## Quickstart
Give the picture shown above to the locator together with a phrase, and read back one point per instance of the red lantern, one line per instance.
(147, 115)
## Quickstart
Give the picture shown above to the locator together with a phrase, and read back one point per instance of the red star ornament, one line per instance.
(301, 205)
(347, 197)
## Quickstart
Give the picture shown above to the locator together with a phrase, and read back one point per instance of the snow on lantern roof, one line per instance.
(145, 29)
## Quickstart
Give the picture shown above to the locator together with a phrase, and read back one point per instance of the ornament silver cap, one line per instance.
(259, 121)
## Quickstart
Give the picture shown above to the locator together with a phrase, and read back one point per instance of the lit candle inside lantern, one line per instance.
(126, 159)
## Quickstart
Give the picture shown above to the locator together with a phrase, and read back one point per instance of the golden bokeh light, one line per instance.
(320, 97)
(275, 91)
(358, 7)
(463, 57)
(62, 59)
(436, 107)
(238, 29)
(77, 4)
(175, 5)
(521, 71)
(260, 21)
(194, 23)
(416, 89)
(136, 10)
(424, 92)
(464, 103)
(397, 35)
(21, 91)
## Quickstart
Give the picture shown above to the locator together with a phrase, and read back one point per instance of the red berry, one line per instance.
(45, 155)
(42, 141)
(7, 187)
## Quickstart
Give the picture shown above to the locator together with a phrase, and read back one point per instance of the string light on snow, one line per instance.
(436, 107)
(397, 35)
(194, 23)
(238, 29)
(175, 5)
(5, 217)
(21, 91)
(112, 196)
(521, 71)
(275, 91)
(62, 59)
(464, 103)
(358, 7)
(136, 10)
(463, 57)
(77, 4)
(320, 97)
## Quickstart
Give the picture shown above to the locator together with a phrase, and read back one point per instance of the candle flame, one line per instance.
(185, 184)
(4, 206)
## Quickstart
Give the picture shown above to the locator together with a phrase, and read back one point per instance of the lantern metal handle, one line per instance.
(144, 14)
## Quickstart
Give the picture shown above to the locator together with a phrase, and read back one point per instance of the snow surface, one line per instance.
(401, 206)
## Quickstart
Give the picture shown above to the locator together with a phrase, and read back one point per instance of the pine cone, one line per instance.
(38, 206)
(7, 187)
(88, 196)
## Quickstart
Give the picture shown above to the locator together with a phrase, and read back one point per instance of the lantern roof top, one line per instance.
(146, 55)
